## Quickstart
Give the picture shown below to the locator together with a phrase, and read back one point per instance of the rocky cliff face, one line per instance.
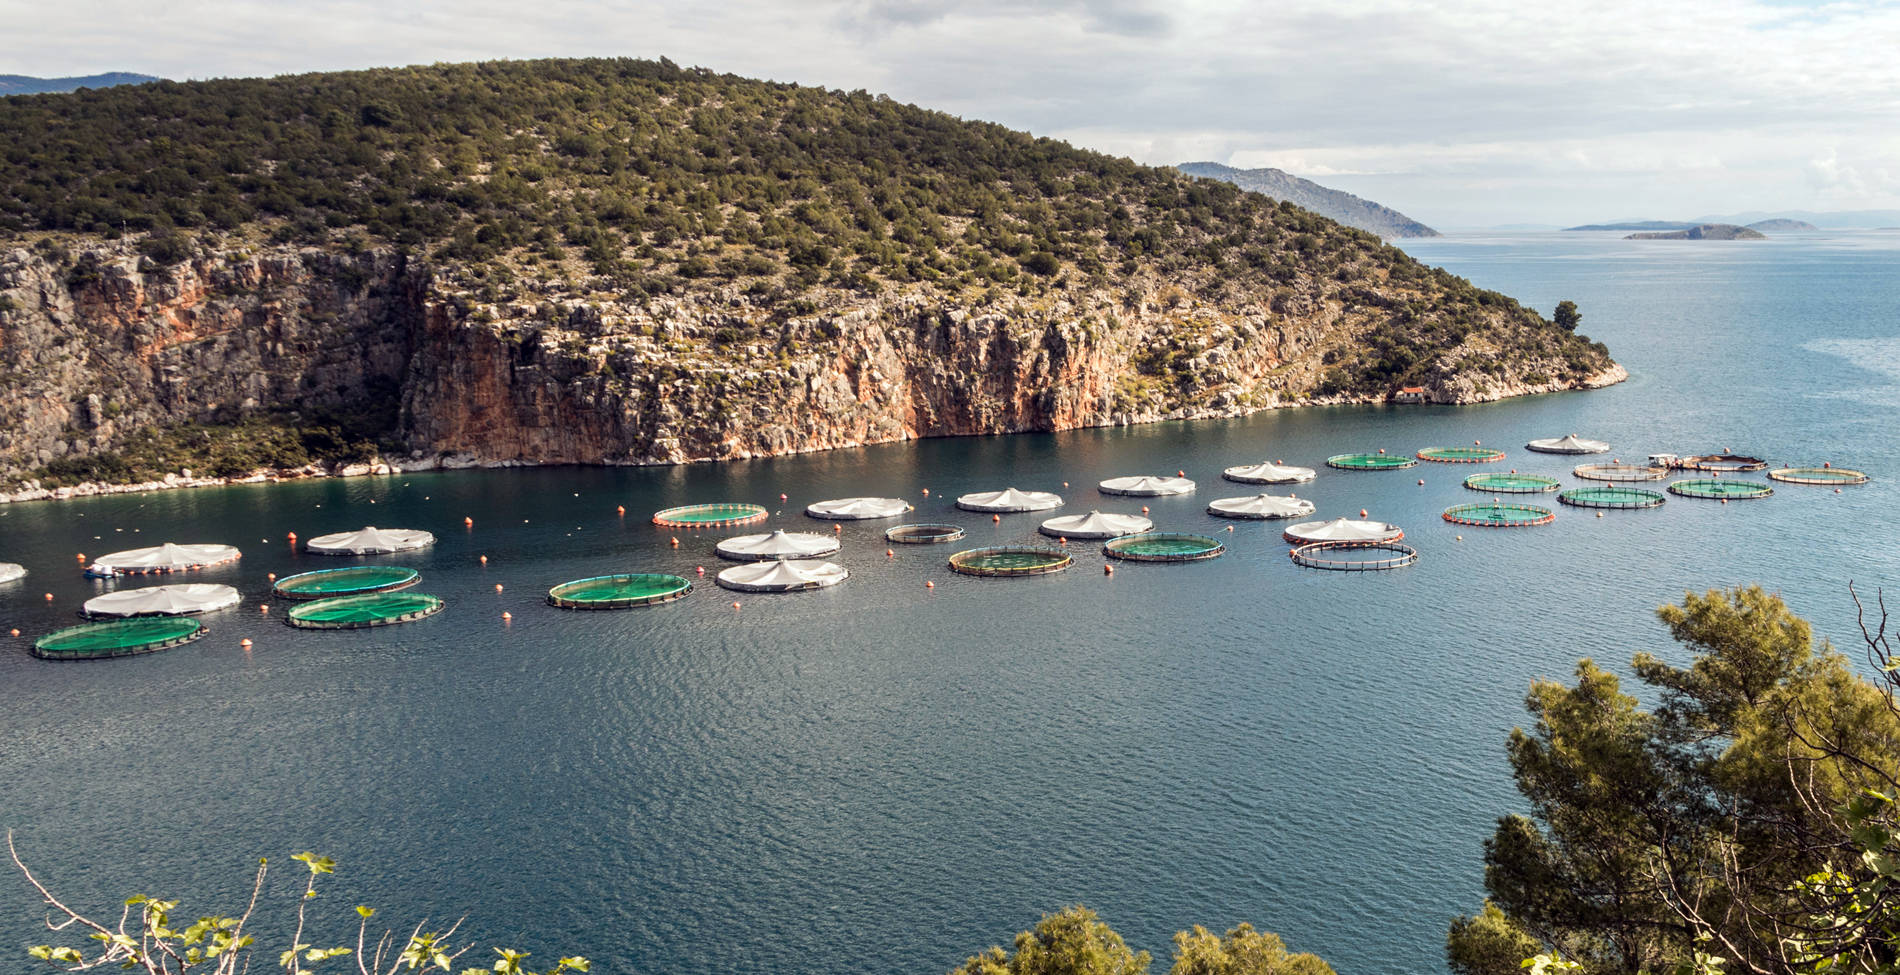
(102, 342)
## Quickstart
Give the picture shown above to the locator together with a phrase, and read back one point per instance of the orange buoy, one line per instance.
(888, 553)
(996, 517)
(81, 556)
(1230, 528)
(701, 570)
(1837, 490)
(1065, 483)
(245, 643)
(1462, 538)
(272, 576)
(1382, 450)
(926, 491)
(622, 509)
(930, 585)
(49, 597)
(735, 604)
(484, 560)
(506, 616)
(1599, 514)
(1062, 540)
(265, 609)
(468, 522)
(1826, 464)
(1108, 570)
(676, 543)
(497, 587)
(1144, 509)
(838, 528)
(1421, 482)
(14, 632)
(1477, 443)
(1362, 512)
(1180, 473)
(783, 497)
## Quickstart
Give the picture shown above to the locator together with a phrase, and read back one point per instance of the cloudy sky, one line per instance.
(1460, 114)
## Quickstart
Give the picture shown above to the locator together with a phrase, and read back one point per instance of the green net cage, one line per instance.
(1835, 476)
(1354, 556)
(1163, 547)
(1381, 461)
(1720, 489)
(1461, 455)
(923, 534)
(1512, 483)
(1620, 472)
(118, 638)
(359, 612)
(324, 583)
(1009, 561)
(620, 591)
(709, 515)
(1499, 515)
(1612, 497)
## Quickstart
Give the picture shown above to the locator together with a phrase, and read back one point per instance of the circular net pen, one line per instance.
(1461, 455)
(352, 581)
(362, 612)
(1009, 561)
(1612, 497)
(923, 534)
(619, 592)
(1512, 483)
(1719, 489)
(1163, 547)
(118, 638)
(1620, 472)
(1370, 462)
(1835, 476)
(1354, 557)
(709, 516)
(1499, 515)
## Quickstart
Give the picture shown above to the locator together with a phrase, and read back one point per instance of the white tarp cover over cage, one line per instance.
(782, 576)
(1345, 530)
(776, 545)
(1009, 499)
(370, 541)
(1567, 444)
(168, 557)
(1145, 486)
(179, 600)
(858, 509)
(12, 572)
(1269, 474)
(1095, 525)
(1261, 507)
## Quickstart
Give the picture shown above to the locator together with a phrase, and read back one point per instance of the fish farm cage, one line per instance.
(620, 591)
(118, 638)
(923, 534)
(1461, 455)
(1163, 547)
(1499, 515)
(1620, 472)
(1354, 556)
(1370, 462)
(709, 516)
(1835, 476)
(1512, 483)
(1720, 489)
(1010, 561)
(361, 612)
(352, 581)
(1612, 497)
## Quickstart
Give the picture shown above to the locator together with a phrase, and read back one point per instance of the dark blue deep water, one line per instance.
(887, 778)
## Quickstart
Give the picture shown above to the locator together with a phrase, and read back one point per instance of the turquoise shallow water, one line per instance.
(884, 777)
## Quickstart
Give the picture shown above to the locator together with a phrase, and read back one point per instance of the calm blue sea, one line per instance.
(884, 777)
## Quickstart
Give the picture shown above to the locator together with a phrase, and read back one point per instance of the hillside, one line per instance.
(19, 84)
(1332, 204)
(609, 261)
(1706, 231)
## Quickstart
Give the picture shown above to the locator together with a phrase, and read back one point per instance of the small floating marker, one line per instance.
(290, 537)
(1421, 482)
(13, 632)
(1513, 470)
(1461, 538)
(1108, 570)
(49, 597)
(1230, 528)
(245, 643)
(271, 576)
(1362, 512)
(264, 609)
(1062, 540)
(1826, 464)
(1725, 501)
(1477, 443)
(468, 522)
(81, 556)
(1065, 483)
(926, 491)
(1599, 514)
(1382, 450)
(930, 585)
(735, 604)
(1837, 490)
(838, 528)
(484, 560)
(1180, 473)
(507, 617)
(701, 570)
(497, 587)
(676, 543)
(887, 553)
(622, 509)
(784, 497)
(1144, 509)
(996, 517)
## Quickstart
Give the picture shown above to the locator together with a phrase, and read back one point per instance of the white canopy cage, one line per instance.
(1344, 530)
(1261, 507)
(1567, 444)
(782, 576)
(370, 541)
(858, 509)
(12, 572)
(776, 545)
(1146, 487)
(1095, 525)
(1010, 499)
(181, 600)
(1269, 474)
(162, 558)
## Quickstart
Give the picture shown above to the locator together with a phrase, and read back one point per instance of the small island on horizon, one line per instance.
(1772, 225)
(1704, 231)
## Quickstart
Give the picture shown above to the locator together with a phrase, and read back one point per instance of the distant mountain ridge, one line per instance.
(19, 84)
(1338, 205)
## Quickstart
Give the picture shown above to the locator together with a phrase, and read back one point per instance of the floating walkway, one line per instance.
(1009, 501)
(1144, 486)
(1095, 525)
(1612, 497)
(1568, 444)
(1830, 475)
(1620, 472)
(1163, 547)
(620, 592)
(1461, 455)
(118, 638)
(188, 599)
(1354, 556)
(364, 611)
(1269, 474)
(779, 576)
(858, 509)
(923, 534)
(1261, 507)
(723, 515)
(352, 581)
(1010, 561)
(776, 545)
(1380, 461)
(1512, 483)
(1497, 515)
(1720, 488)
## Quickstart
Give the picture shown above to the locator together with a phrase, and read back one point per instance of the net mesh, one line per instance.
(923, 534)
(1496, 515)
(1512, 483)
(1354, 557)
(355, 612)
(709, 515)
(1461, 455)
(1164, 547)
(1611, 497)
(118, 638)
(620, 591)
(1818, 475)
(343, 582)
(1715, 487)
(1369, 462)
(1009, 561)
